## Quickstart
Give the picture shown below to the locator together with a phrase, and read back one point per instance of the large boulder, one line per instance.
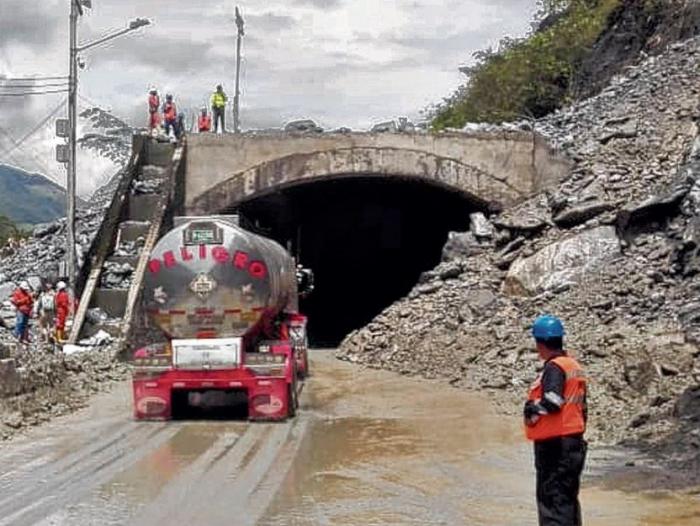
(563, 263)
(303, 126)
(480, 226)
(580, 213)
(460, 245)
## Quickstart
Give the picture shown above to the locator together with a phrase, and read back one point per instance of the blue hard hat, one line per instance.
(547, 327)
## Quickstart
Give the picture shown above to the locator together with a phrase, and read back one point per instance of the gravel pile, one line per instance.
(613, 251)
(53, 384)
(116, 275)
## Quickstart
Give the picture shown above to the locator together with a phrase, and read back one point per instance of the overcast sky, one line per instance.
(340, 62)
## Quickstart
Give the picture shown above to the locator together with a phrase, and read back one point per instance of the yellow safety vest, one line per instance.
(218, 100)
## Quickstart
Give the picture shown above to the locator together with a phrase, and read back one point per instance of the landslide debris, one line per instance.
(38, 381)
(613, 250)
(53, 384)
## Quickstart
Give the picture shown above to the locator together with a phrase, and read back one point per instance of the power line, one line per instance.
(30, 93)
(33, 154)
(29, 79)
(35, 128)
(24, 86)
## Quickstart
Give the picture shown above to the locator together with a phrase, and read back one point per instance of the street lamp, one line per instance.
(76, 9)
(240, 26)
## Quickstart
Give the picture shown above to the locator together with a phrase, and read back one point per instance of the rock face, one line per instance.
(636, 29)
(303, 126)
(614, 251)
(563, 263)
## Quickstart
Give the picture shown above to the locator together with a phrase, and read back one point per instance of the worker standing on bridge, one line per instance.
(170, 115)
(555, 420)
(218, 108)
(204, 121)
(180, 125)
(153, 109)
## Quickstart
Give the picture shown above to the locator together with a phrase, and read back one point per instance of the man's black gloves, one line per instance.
(531, 409)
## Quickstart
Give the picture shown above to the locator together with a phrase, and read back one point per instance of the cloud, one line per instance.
(172, 53)
(28, 24)
(339, 62)
(270, 22)
(319, 4)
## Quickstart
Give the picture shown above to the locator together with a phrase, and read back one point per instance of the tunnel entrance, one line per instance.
(366, 239)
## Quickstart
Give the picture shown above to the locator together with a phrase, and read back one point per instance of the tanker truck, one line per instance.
(225, 301)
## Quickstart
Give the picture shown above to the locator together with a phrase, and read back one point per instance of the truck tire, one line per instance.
(304, 371)
(292, 400)
(306, 363)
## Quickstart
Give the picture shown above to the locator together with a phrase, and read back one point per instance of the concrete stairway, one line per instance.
(141, 207)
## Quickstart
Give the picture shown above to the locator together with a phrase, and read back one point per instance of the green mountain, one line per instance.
(29, 198)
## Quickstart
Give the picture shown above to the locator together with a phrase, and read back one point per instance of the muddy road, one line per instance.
(368, 448)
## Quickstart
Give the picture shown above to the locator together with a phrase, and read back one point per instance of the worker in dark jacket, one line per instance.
(170, 115)
(555, 420)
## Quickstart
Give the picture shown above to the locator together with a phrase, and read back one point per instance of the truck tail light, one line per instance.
(264, 359)
(153, 361)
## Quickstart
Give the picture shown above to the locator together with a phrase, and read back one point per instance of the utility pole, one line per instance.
(76, 9)
(237, 96)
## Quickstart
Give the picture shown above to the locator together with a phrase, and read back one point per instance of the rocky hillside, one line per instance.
(575, 50)
(29, 198)
(38, 383)
(613, 251)
(636, 29)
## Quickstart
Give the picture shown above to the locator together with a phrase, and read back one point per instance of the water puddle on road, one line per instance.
(118, 500)
(386, 450)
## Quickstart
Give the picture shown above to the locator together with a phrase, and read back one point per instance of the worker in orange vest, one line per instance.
(204, 121)
(555, 417)
(170, 115)
(153, 109)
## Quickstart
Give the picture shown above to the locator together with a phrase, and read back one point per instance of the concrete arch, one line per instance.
(484, 189)
(497, 169)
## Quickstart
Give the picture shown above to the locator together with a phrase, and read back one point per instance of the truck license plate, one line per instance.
(220, 353)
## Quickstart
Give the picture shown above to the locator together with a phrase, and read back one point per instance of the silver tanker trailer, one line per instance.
(226, 302)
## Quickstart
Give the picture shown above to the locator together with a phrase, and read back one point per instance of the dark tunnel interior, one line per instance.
(366, 239)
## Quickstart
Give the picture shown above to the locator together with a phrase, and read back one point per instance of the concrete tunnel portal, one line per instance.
(368, 212)
(367, 240)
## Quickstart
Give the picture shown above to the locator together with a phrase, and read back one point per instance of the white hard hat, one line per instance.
(152, 89)
(60, 285)
(24, 285)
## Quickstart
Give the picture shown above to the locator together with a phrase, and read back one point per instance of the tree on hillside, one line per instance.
(7, 230)
(529, 77)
